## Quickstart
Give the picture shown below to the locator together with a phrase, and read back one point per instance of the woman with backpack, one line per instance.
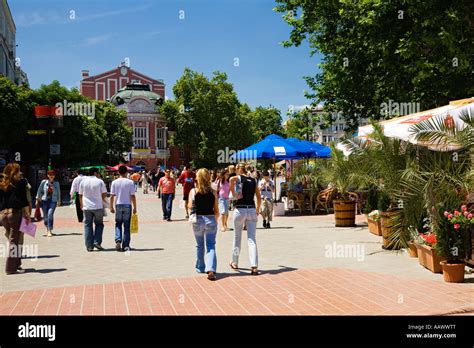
(49, 197)
(245, 188)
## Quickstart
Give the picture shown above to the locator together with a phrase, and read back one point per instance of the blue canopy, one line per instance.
(309, 149)
(272, 146)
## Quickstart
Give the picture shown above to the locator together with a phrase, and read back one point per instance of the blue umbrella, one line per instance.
(272, 146)
(309, 149)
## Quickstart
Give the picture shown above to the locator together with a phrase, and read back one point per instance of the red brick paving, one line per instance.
(329, 291)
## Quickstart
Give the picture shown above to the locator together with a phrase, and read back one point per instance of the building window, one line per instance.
(181, 152)
(161, 138)
(140, 140)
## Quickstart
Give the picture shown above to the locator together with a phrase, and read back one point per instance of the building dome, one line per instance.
(134, 90)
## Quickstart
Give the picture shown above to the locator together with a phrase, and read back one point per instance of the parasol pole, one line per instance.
(274, 177)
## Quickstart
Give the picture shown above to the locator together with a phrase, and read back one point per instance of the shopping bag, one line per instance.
(134, 224)
(26, 228)
(38, 213)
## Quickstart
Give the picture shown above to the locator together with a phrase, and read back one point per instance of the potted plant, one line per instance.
(386, 213)
(373, 219)
(453, 237)
(427, 256)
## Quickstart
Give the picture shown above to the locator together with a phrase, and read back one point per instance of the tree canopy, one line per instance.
(209, 118)
(374, 51)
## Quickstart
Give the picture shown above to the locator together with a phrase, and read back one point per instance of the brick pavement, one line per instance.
(158, 277)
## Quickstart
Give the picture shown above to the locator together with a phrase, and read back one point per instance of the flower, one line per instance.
(450, 216)
(469, 216)
(457, 226)
(456, 213)
(429, 239)
(463, 207)
(446, 213)
(466, 213)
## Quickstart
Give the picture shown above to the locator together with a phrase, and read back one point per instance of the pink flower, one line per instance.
(466, 213)
(446, 214)
(457, 226)
(450, 216)
(463, 207)
(456, 213)
(469, 216)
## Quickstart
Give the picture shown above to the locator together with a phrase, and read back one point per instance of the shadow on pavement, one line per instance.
(133, 249)
(246, 272)
(40, 257)
(67, 234)
(46, 270)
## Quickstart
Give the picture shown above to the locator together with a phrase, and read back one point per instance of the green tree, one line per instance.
(301, 124)
(207, 117)
(119, 134)
(15, 112)
(86, 137)
(375, 51)
(265, 121)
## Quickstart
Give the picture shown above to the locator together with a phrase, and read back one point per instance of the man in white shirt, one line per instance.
(92, 192)
(75, 194)
(122, 193)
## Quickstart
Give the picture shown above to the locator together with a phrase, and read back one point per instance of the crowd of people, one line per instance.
(208, 197)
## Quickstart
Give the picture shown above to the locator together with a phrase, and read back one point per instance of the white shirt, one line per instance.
(91, 189)
(75, 183)
(265, 192)
(123, 188)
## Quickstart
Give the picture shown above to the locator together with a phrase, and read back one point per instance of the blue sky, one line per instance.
(159, 43)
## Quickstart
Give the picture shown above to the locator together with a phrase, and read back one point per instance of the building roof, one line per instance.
(135, 90)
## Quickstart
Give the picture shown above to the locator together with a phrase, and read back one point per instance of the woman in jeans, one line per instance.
(223, 189)
(49, 196)
(13, 206)
(204, 214)
(245, 189)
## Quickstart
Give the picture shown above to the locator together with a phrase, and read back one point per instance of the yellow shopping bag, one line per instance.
(134, 224)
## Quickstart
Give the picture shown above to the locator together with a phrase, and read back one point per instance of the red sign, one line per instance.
(418, 119)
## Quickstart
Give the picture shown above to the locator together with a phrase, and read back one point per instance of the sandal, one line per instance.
(254, 271)
(233, 266)
(211, 276)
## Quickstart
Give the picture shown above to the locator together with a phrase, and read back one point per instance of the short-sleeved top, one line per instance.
(91, 189)
(204, 203)
(123, 189)
(266, 192)
(14, 197)
(187, 180)
(167, 185)
(224, 189)
(249, 185)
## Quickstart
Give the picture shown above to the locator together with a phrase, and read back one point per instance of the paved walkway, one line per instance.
(304, 272)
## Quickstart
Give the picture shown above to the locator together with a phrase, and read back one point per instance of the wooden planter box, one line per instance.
(412, 249)
(428, 258)
(387, 243)
(345, 213)
(375, 227)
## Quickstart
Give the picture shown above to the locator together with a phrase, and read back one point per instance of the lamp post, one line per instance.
(166, 146)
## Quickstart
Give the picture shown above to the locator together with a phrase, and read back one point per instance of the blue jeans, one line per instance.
(123, 216)
(93, 217)
(205, 230)
(136, 185)
(247, 216)
(167, 204)
(48, 208)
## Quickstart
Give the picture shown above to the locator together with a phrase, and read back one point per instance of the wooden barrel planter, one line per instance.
(387, 230)
(345, 213)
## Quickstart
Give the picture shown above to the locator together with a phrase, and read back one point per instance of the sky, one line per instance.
(58, 38)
